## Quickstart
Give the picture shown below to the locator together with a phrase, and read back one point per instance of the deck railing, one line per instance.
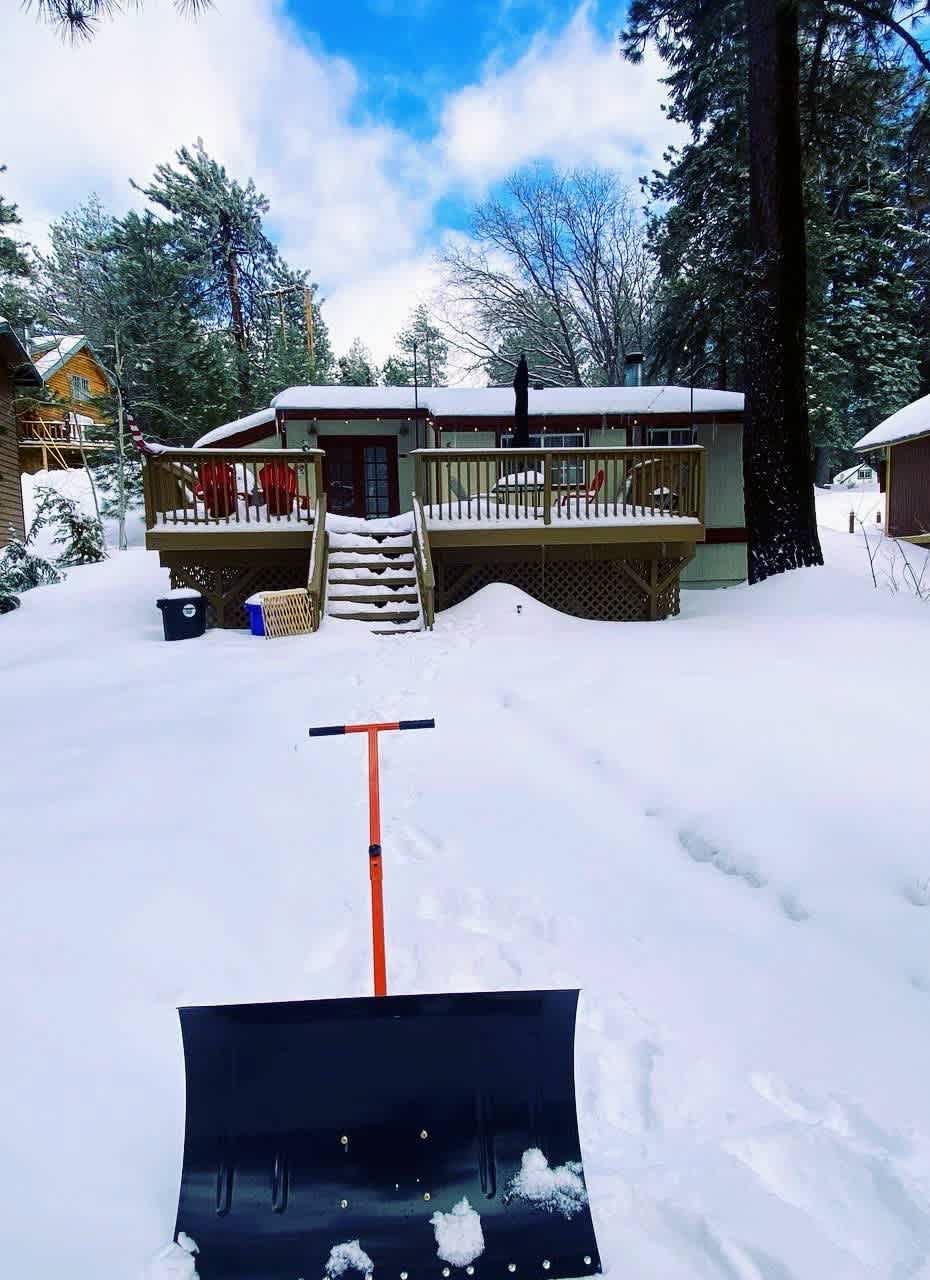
(316, 576)
(229, 487)
(53, 431)
(556, 485)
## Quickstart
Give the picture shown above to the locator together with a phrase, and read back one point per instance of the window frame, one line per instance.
(80, 388)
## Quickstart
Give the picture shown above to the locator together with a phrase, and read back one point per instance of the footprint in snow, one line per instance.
(792, 906)
(701, 849)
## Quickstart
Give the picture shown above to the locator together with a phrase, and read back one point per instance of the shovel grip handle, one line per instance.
(333, 730)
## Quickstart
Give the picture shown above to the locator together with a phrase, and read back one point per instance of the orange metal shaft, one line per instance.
(374, 866)
(375, 871)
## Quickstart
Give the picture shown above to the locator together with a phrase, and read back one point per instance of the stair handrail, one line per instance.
(423, 560)
(316, 571)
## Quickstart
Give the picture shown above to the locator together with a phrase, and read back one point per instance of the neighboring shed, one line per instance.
(16, 370)
(902, 442)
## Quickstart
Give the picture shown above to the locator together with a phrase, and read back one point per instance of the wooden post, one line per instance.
(653, 590)
(547, 488)
(147, 493)
(852, 521)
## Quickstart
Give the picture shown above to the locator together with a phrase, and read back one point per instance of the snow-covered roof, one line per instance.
(913, 420)
(498, 402)
(851, 473)
(53, 349)
(16, 357)
(256, 419)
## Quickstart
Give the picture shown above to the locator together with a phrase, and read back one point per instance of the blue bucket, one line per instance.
(256, 618)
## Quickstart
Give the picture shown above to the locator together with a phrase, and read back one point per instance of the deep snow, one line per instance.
(715, 826)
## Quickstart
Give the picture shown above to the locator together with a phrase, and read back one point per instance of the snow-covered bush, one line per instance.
(21, 570)
(80, 535)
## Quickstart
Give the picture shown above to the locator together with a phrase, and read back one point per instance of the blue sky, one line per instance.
(372, 125)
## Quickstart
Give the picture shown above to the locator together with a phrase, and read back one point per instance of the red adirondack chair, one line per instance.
(586, 493)
(216, 488)
(279, 484)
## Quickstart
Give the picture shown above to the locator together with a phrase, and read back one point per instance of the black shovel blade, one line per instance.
(313, 1124)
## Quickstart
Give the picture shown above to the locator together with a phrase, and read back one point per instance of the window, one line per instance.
(80, 387)
(675, 436)
(562, 472)
(866, 473)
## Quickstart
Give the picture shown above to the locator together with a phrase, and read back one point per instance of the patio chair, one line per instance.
(586, 493)
(279, 483)
(215, 486)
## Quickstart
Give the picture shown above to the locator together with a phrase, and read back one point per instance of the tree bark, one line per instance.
(780, 517)
(239, 335)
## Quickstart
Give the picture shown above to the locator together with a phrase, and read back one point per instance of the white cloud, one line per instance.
(571, 99)
(352, 198)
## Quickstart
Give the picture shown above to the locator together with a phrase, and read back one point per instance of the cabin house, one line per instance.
(624, 494)
(861, 476)
(53, 427)
(16, 372)
(901, 447)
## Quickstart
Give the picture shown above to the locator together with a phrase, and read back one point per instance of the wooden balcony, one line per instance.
(59, 440)
(231, 499)
(483, 497)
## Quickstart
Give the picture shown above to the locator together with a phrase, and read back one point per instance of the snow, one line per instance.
(468, 402)
(233, 428)
(912, 420)
(560, 1190)
(57, 347)
(72, 482)
(349, 1256)
(459, 1238)
(174, 1261)
(181, 593)
(715, 826)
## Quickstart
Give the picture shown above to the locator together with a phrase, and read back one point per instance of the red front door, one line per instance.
(360, 475)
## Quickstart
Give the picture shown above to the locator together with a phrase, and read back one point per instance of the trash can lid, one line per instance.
(256, 599)
(181, 593)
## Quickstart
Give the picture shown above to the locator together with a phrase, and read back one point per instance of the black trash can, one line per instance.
(183, 615)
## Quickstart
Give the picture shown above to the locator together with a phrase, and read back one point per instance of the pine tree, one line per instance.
(432, 353)
(13, 261)
(219, 222)
(356, 368)
(80, 535)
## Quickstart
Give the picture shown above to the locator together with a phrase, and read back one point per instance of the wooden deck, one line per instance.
(595, 532)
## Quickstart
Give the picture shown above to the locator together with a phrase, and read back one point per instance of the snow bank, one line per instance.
(72, 482)
(349, 1256)
(174, 1262)
(912, 420)
(559, 1190)
(459, 1238)
(715, 826)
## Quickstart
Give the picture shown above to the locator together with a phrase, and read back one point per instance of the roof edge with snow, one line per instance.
(909, 423)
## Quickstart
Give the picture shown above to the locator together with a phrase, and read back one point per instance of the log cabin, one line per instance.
(16, 372)
(53, 427)
(624, 495)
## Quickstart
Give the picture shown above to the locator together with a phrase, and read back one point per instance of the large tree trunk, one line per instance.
(780, 517)
(239, 336)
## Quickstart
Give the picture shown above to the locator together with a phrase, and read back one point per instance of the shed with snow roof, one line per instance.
(901, 448)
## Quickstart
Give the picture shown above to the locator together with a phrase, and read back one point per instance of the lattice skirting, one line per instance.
(227, 587)
(610, 590)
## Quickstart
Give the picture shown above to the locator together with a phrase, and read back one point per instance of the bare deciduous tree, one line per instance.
(557, 267)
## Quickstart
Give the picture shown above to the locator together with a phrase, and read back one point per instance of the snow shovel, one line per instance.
(396, 1138)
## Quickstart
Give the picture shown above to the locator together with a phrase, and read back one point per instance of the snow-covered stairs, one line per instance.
(371, 579)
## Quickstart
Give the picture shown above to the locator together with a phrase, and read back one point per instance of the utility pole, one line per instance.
(308, 310)
(122, 540)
